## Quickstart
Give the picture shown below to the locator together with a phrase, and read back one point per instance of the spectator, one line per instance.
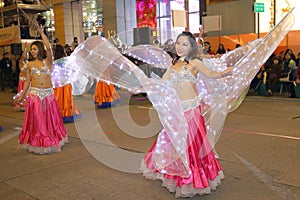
(298, 60)
(256, 83)
(296, 90)
(290, 51)
(288, 66)
(273, 75)
(156, 43)
(6, 71)
(74, 43)
(207, 48)
(281, 56)
(68, 49)
(24, 28)
(221, 49)
(297, 75)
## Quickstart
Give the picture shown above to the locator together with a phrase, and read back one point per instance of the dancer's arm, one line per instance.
(49, 59)
(200, 67)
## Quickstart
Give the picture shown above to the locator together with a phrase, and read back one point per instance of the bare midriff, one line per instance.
(186, 90)
(41, 81)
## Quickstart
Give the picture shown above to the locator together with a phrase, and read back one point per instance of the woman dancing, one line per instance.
(204, 173)
(43, 130)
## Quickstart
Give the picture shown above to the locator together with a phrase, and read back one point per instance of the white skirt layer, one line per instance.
(185, 190)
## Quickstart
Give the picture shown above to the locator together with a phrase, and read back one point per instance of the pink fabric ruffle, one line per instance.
(206, 172)
(43, 130)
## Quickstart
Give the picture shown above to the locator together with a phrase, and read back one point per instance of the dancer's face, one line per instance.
(34, 51)
(183, 46)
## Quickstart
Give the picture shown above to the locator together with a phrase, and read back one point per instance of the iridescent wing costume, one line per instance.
(97, 58)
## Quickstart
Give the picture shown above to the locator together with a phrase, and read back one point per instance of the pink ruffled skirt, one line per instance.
(43, 130)
(206, 172)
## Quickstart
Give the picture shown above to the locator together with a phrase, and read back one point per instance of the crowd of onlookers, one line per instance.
(280, 73)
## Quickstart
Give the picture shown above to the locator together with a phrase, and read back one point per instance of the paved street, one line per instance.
(259, 151)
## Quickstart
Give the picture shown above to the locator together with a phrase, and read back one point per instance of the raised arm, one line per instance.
(200, 67)
(23, 56)
(49, 59)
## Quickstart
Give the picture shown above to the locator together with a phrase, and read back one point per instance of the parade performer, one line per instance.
(106, 95)
(43, 130)
(63, 94)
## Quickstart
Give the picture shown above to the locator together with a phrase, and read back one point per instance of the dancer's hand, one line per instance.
(227, 71)
(40, 29)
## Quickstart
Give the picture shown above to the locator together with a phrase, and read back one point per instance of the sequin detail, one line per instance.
(41, 92)
(43, 70)
(183, 74)
(21, 78)
(191, 103)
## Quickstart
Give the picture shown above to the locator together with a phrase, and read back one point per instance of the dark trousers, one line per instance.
(6, 79)
(271, 84)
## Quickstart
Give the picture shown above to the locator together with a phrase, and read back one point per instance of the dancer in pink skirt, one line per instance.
(202, 172)
(43, 130)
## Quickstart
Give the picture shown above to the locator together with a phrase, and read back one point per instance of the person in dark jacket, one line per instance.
(6, 71)
(273, 74)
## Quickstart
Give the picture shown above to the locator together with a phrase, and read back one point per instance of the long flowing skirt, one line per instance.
(206, 172)
(66, 105)
(106, 95)
(43, 130)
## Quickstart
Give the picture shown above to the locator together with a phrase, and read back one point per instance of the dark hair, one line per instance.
(41, 20)
(275, 58)
(41, 53)
(209, 48)
(237, 45)
(59, 52)
(194, 47)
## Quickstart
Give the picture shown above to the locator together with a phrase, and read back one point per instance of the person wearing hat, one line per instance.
(6, 71)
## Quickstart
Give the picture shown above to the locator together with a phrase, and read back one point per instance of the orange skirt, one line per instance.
(65, 101)
(105, 95)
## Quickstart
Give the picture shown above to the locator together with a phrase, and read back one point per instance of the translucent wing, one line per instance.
(224, 95)
(98, 58)
(62, 73)
(150, 54)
